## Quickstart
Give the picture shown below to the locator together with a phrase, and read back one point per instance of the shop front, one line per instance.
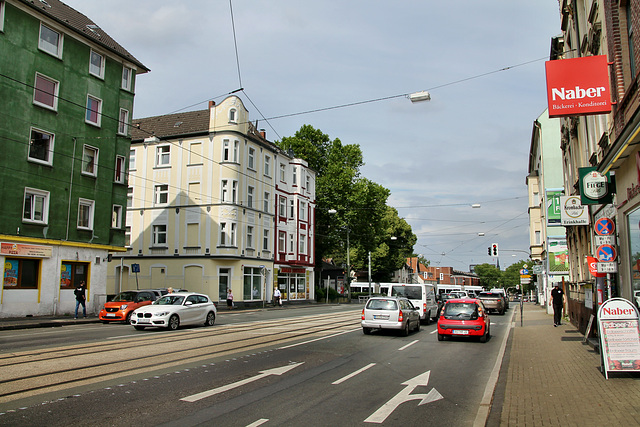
(295, 283)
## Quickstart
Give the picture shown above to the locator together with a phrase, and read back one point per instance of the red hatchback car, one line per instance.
(464, 317)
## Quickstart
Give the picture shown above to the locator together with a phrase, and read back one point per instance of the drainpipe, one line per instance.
(73, 157)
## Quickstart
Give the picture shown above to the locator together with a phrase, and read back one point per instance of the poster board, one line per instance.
(619, 336)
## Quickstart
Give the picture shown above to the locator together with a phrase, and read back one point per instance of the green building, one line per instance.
(66, 100)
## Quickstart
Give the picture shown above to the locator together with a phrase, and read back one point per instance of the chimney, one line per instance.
(212, 104)
(263, 133)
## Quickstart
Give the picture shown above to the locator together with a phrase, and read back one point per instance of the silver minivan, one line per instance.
(390, 313)
(421, 295)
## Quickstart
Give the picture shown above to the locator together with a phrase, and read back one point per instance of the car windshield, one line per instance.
(382, 304)
(170, 300)
(125, 296)
(460, 310)
(411, 292)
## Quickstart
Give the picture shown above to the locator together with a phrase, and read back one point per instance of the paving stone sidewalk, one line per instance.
(554, 379)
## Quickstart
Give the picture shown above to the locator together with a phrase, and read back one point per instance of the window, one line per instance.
(232, 115)
(94, 111)
(265, 241)
(266, 202)
(85, 214)
(234, 191)
(159, 235)
(303, 244)
(291, 243)
(307, 179)
(96, 64)
(250, 236)
(127, 236)
(50, 41)
(161, 194)
(129, 197)
(36, 206)
(163, 155)
(251, 161)
(223, 234)
(267, 165)
(295, 176)
(1, 15)
(127, 73)
(252, 289)
(224, 283)
(228, 234)
(45, 92)
(21, 273)
(89, 161)
(123, 123)
(282, 242)
(41, 146)
(292, 208)
(116, 217)
(232, 234)
(224, 190)
(132, 160)
(250, 197)
(195, 153)
(303, 211)
(283, 172)
(226, 154)
(282, 207)
(120, 170)
(236, 147)
(72, 273)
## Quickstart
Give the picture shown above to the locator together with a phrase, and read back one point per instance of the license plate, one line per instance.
(144, 320)
(460, 332)
(381, 317)
(111, 315)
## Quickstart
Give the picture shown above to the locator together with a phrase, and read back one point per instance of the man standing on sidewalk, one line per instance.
(557, 298)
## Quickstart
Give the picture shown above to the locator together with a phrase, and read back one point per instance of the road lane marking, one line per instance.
(353, 374)
(259, 422)
(408, 345)
(405, 395)
(433, 332)
(317, 339)
(222, 389)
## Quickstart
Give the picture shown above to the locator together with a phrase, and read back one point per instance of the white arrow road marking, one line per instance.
(404, 396)
(209, 393)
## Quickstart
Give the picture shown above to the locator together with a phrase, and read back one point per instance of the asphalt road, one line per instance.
(310, 367)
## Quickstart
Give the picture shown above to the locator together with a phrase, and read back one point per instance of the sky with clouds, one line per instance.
(481, 60)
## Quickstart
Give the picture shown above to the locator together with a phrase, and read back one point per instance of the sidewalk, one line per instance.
(550, 378)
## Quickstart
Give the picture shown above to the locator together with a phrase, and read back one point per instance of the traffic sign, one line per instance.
(603, 240)
(607, 267)
(606, 253)
(604, 227)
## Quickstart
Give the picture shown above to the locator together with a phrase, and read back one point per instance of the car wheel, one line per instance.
(405, 331)
(502, 312)
(427, 319)
(174, 322)
(418, 325)
(211, 319)
(139, 328)
(440, 337)
(484, 337)
(366, 331)
(128, 318)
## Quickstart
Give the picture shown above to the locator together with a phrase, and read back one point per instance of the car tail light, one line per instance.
(424, 307)
(363, 314)
(400, 316)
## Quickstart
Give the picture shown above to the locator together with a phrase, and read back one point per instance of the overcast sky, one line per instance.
(468, 145)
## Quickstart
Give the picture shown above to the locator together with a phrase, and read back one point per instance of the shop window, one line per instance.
(252, 289)
(72, 273)
(21, 273)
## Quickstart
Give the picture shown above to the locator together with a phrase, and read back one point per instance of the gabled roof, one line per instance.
(82, 25)
(171, 125)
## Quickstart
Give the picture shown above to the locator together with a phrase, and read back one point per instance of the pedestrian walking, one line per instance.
(81, 298)
(276, 297)
(229, 299)
(557, 298)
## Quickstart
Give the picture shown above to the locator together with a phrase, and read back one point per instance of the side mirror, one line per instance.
(188, 303)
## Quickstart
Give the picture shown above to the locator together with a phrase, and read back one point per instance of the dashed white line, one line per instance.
(408, 345)
(353, 374)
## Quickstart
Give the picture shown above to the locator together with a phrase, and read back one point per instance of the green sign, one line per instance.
(595, 188)
(553, 208)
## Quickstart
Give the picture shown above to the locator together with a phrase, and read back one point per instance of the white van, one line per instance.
(422, 296)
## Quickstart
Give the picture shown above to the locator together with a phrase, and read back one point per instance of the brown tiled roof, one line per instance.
(80, 24)
(171, 125)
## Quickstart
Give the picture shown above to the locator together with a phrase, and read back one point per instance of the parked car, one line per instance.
(464, 317)
(493, 301)
(390, 313)
(176, 309)
(120, 307)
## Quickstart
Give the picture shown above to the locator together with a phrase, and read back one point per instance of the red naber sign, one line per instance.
(578, 86)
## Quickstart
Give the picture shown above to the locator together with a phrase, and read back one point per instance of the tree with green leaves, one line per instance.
(490, 276)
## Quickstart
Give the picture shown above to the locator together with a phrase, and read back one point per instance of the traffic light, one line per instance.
(494, 249)
(489, 250)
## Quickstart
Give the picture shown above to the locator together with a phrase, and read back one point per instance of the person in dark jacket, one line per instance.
(557, 298)
(81, 298)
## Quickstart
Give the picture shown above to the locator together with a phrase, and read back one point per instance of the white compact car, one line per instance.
(173, 310)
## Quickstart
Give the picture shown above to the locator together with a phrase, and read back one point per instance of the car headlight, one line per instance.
(162, 313)
(124, 306)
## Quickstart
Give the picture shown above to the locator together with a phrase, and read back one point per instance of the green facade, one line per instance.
(21, 60)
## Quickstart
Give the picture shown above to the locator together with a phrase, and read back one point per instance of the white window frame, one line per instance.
(224, 191)
(236, 151)
(302, 216)
(120, 170)
(132, 160)
(127, 236)
(307, 182)
(45, 46)
(267, 166)
(91, 109)
(90, 205)
(233, 115)
(129, 197)
(303, 244)
(54, 103)
(234, 192)
(267, 196)
(1, 16)
(127, 74)
(295, 176)
(87, 149)
(283, 172)
(282, 207)
(123, 122)
(49, 149)
(292, 208)
(223, 234)
(96, 70)
(226, 150)
(250, 229)
(233, 234)
(291, 243)
(160, 191)
(282, 242)
(250, 196)
(159, 231)
(163, 156)
(265, 240)
(36, 195)
(116, 217)
(251, 161)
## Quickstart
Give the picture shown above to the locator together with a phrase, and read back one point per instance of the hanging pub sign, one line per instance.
(619, 336)
(578, 86)
(595, 188)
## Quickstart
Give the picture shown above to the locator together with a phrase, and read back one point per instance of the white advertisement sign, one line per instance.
(572, 212)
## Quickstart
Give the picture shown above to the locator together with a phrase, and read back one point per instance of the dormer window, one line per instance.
(233, 115)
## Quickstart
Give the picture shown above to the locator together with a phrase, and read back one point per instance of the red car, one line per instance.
(463, 317)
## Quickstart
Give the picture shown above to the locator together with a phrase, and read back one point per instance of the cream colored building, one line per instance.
(203, 213)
